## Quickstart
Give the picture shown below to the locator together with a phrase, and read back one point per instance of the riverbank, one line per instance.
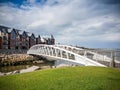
(15, 59)
(36, 65)
(27, 69)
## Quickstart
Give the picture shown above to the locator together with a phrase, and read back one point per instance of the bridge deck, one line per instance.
(70, 53)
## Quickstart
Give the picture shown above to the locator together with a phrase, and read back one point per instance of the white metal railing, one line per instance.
(57, 52)
(89, 54)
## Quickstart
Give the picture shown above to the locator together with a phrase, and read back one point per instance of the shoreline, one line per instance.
(34, 68)
(29, 69)
(16, 59)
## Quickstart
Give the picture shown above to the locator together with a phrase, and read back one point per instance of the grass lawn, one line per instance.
(69, 78)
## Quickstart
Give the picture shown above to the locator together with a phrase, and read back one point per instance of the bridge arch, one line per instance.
(63, 52)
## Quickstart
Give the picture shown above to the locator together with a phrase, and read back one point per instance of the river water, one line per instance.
(6, 69)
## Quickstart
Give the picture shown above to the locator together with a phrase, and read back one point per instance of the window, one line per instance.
(24, 35)
(4, 31)
(4, 43)
(4, 38)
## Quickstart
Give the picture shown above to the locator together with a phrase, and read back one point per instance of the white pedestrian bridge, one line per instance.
(68, 54)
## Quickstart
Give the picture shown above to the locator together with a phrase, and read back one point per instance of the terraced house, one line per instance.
(38, 39)
(14, 39)
(32, 39)
(24, 40)
(11, 38)
(3, 37)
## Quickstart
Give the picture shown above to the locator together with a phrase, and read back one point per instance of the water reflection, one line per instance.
(6, 69)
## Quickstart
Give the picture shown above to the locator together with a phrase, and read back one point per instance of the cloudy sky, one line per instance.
(89, 23)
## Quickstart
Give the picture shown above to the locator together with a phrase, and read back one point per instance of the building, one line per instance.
(11, 38)
(49, 41)
(38, 39)
(3, 37)
(43, 40)
(52, 40)
(0, 42)
(14, 39)
(24, 40)
(32, 39)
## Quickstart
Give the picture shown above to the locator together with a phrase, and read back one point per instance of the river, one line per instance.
(6, 69)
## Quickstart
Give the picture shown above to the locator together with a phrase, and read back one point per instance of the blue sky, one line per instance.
(89, 23)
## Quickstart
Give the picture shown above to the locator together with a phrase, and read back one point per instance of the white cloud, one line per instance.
(69, 20)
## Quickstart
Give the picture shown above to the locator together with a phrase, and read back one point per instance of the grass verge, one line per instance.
(69, 78)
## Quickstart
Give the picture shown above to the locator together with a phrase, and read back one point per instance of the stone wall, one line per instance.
(14, 57)
(14, 51)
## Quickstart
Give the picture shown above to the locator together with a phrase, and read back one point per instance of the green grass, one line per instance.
(70, 78)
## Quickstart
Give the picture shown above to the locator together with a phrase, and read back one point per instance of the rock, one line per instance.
(9, 73)
(45, 67)
(30, 69)
(1, 74)
(53, 66)
(62, 65)
(15, 72)
(38, 61)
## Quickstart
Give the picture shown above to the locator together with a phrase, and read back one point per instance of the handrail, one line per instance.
(45, 50)
(96, 55)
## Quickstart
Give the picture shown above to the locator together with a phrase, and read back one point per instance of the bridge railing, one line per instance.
(61, 53)
(104, 56)
(80, 51)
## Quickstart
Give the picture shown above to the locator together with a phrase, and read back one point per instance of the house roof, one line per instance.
(37, 36)
(9, 30)
(16, 31)
(20, 32)
(3, 28)
(33, 34)
(29, 34)
(52, 37)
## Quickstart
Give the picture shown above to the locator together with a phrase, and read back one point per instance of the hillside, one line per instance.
(69, 78)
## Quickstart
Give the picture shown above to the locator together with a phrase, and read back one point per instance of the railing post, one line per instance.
(48, 51)
(45, 50)
(84, 53)
(42, 50)
(111, 55)
(95, 56)
(56, 52)
(52, 51)
(103, 57)
(67, 55)
(61, 54)
(113, 62)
